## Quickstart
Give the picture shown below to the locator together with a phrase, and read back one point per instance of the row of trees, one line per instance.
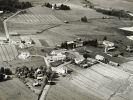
(6, 71)
(13, 5)
(25, 72)
(93, 42)
(61, 7)
(114, 12)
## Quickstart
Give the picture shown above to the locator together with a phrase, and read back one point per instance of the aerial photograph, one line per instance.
(66, 49)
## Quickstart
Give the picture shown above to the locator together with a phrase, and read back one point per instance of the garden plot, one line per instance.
(35, 19)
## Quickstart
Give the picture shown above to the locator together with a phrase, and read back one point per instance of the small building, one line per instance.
(62, 70)
(78, 61)
(114, 63)
(1, 12)
(99, 58)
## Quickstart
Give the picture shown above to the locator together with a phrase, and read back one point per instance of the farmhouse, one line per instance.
(71, 44)
(56, 57)
(58, 52)
(108, 45)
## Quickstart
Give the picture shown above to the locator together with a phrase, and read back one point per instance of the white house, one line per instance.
(24, 55)
(1, 12)
(62, 70)
(56, 52)
(56, 57)
(78, 60)
(108, 43)
(99, 57)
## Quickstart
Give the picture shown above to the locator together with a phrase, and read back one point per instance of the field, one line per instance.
(100, 82)
(8, 52)
(47, 28)
(15, 90)
(47, 24)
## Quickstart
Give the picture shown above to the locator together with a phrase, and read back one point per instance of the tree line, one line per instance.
(13, 5)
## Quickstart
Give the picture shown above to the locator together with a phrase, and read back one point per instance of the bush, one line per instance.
(84, 19)
(2, 70)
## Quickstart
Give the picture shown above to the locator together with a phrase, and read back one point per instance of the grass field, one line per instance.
(100, 82)
(15, 90)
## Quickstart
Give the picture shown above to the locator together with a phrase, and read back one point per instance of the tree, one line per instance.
(2, 70)
(8, 71)
(105, 38)
(1, 77)
(85, 55)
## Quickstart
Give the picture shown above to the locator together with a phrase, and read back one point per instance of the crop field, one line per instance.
(35, 19)
(8, 52)
(15, 90)
(100, 82)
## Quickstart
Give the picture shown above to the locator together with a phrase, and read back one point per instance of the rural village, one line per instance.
(66, 50)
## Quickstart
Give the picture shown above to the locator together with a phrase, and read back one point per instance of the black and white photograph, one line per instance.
(66, 49)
